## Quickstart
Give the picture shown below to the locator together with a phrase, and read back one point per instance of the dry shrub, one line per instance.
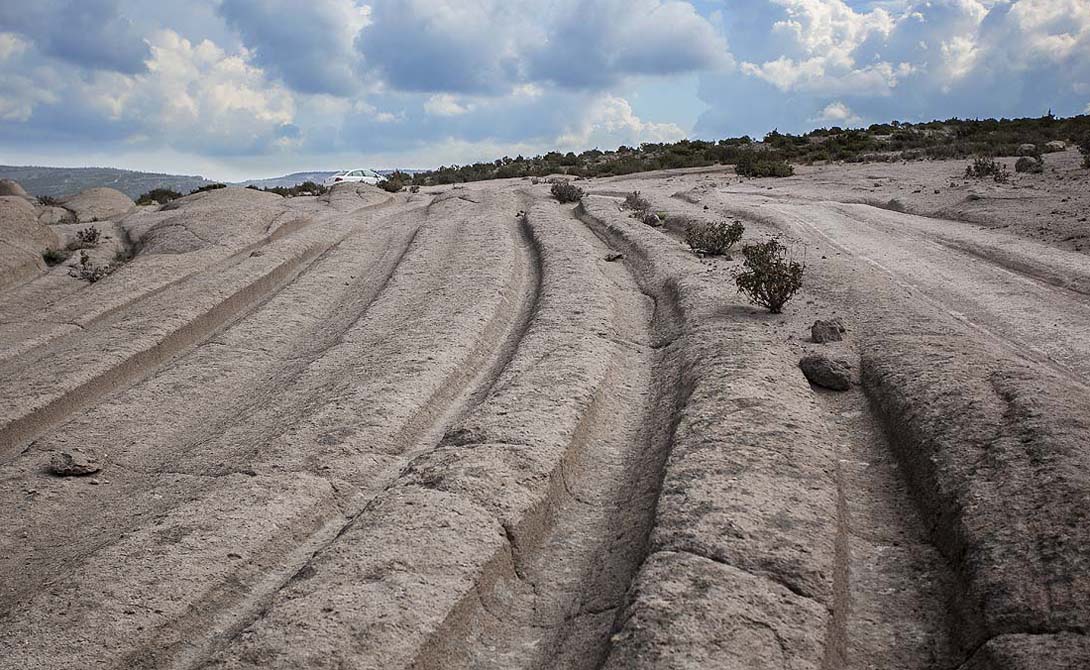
(769, 277)
(636, 202)
(983, 167)
(713, 239)
(566, 192)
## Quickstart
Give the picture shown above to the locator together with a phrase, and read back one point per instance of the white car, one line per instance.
(365, 176)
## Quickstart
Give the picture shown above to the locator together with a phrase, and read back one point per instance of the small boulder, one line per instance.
(610, 258)
(73, 464)
(1056, 145)
(10, 187)
(827, 372)
(1027, 150)
(1029, 164)
(826, 331)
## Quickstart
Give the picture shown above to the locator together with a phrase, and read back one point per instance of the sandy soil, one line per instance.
(452, 430)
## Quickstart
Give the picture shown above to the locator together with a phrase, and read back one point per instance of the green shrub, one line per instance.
(158, 196)
(983, 167)
(769, 277)
(566, 192)
(207, 187)
(714, 239)
(54, 256)
(1030, 164)
(395, 182)
(751, 164)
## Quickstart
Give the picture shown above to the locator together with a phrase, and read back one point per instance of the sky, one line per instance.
(235, 89)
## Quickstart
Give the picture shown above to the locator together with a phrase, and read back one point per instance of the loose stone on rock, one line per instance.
(73, 464)
(827, 372)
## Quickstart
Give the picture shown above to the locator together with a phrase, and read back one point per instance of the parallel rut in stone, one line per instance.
(561, 610)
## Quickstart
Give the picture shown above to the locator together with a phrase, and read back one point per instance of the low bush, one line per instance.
(635, 202)
(89, 271)
(395, 182)
(566, 192)
(750, 164)
(207, 187)
(1029, 164)
(713, 239)
(769, 277)
(48, 201)
(158, 196)
(306, 188)
(54, 256)
(983, 167)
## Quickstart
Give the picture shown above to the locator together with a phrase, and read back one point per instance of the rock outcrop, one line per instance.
(22, 240)
(98, 204)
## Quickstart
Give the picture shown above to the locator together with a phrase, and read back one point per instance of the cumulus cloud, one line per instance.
(83, 33)
(837, 113)
(610, 122)
(489, 47)
(309, 47)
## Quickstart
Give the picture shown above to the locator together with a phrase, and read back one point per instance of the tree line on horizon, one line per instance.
(895, 141)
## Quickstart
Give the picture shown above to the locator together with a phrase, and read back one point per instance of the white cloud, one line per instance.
(445, 104)
(11, 45)
(839, 114)
(610, 122)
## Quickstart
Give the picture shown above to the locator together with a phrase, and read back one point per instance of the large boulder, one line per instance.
(1027, 150)
(51, 215)
(1056, 145)
(98, 204)
(9, 187)
(22, 240)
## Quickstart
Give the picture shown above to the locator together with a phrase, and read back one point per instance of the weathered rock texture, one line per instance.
(22, 241)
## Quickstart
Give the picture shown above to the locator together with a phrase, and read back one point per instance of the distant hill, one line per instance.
(56, 182)
(289, 180)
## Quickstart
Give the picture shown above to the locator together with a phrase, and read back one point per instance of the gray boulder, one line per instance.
(1027, 150)
(827, 331)
(1056, 145)
(826, 372)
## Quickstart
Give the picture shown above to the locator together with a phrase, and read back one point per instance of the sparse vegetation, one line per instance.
(86, 238)
(54, 256)
(769, 277)
(750, 164)
(48, 201)
(713, 239)
(306, 188)
(395, 182)
(566, 191)
(89, 271)
(1030, 164)
(983, 167)
(635, 202)
(207, 187)
(158, 196)
(893, 141)
(1084, 148)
